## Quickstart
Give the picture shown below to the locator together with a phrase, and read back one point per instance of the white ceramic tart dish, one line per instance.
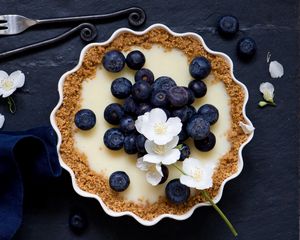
(87, 160)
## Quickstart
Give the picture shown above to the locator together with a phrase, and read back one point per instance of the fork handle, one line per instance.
(136, 17)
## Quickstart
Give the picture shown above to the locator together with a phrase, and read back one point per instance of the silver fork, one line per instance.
(15, 24)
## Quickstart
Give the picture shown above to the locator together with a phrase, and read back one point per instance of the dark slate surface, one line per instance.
(262, 202)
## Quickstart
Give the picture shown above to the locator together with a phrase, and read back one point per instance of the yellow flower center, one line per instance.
(7, 84)
(160, 128)
(159, 149)
(197, 175)
(152, 168)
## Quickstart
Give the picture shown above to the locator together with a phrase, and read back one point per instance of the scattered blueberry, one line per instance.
(176, 192)
(191, 96)
(135, 60)
(184, 152)
(209, 113)
(198, 88)
(77, 222)
(163, 84)
(121, 88)
(191, 111)
(144, 74)
(182, 113)
(197, 128)
(228, 26)
(178, 96)
(85, 119)
(113, 113)
(140, 143)
(165, 172)
(113, 139)
(119, 181)
(143, 108)
(130, 144)
(130, 105)
(200, 68)
(141, 91)
(159, 99)
(127, 124)
(183, 134)
(167, 112)
(206, 144)
(114, 61)
(246, 48)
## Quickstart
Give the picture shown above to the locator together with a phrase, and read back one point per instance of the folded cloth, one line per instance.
(33, 150)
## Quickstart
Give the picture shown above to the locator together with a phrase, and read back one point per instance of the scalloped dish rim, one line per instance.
(128, 213)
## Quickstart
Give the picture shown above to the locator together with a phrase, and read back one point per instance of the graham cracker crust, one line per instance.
(94, 183)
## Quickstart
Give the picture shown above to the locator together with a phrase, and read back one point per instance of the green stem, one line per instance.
(174, 165)
(11, 105)
(222, 215)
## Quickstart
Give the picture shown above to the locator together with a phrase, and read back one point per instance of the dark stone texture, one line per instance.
(262, 202)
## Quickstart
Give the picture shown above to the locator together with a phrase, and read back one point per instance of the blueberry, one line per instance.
(182, 113)
(85, 119)
(114, 61)
(176, 192)
(191, 96)
(191, 111)
(163, 84)
(121, 88)
(200, 68)
(127, 124)
(206, 144)
(228, 26)
(77, 222)
(209, 113)
(119, 181)
(184, 152)
(178, 96)
(113, 139)
(167, 112)
(165, 172)
(135, 60)
(130, 106)
(113, 113)
(197, 128)
(246, 48)
(143, 108)
(159, 99)
(130, 144)
(144, 74)
(183, 134)
(198, 88)
(141, 91)
(140, 143)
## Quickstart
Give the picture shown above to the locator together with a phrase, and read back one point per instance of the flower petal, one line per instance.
(159, 170)
(173, 143)
(152, 158)
(267, 89)
(276, 69)
(189, 165)
(153, 177)
(141, 121)
(174, 126)
(3, 75)
(142, 165)
(171, 157)
(162, 139)
(2, 120)
(188, 181)
(149, 145)
(206, 181)
(247, 128)
(8, 93)
(157, 115)
(18, 78)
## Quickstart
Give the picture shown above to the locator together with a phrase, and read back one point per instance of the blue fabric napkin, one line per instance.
(32, 152)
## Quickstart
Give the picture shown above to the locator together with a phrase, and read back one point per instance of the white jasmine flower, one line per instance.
(155, 126)
(197, 174)
(267, 89)
(247, 129)
(276, 69)
(166, 154)
(154, 172)
(9, 84)
(2, 119)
